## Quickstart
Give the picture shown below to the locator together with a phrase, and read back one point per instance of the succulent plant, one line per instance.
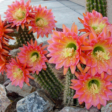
(49, 82)
(97, 5)
(68, 92)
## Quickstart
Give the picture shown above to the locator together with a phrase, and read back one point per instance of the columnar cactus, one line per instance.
(49, 82)
(103, 7)
(98, 5)
(24, 37)
(68, 92)
(88, 5)
(91, 5)
(95, 4)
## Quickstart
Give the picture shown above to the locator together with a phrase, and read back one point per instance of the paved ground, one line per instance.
(65, 12)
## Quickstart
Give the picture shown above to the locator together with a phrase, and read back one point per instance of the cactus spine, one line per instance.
(68, 92)
(91, 5)
(98, 5)
(49, 82)
(94, 5)
(23, 36)
(103, 7)
(88, 5)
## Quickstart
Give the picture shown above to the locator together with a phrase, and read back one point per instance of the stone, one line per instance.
(12, 106)
(77, 109)
(4, 101)
(34, 84)
(26, 90)
(7, 82)
(14, 52)
(107, 108)
(35, 102)
(93, 109)
(73, 109)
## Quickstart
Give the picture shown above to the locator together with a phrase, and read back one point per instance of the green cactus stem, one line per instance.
(88, 5)
(49, 82)
(94, 5)
(98, 6)
(68, 92)
(103, 7)
(91, 5)
(24, 37)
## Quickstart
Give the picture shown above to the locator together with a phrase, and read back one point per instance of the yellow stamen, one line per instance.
(102, 56)
(41, 22)
(19, 14)
(98, 27)
(94, 89)
(33, 58)
(67, 52)
(18, 74)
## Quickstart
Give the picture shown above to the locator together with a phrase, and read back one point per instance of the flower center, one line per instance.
(41, 22)
(94, 86)
(68, 52)
(19, 14)
(72, 45)
(94, 89)
(34, 57)
(98, 27)
(100, 54)
(18, 74)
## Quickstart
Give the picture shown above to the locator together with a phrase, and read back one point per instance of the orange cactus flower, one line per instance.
(3, 66)
(4, 30)
(4, 56)
(93, 90)
(94, 21)
(19, 13)
(3, 53)
(64, 48)
(97, 50)
(18, 73)
(34, 56)
(109, 31)
(43, 22)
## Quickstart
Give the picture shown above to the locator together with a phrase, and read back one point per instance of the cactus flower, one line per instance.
(43, 22)
(18, 73)
(64, 48)
(109, 31)
(98, 53)
(19, 13)
(4, 30)
(34, 56)
(93, 90)
(3, 66)
(94, 20)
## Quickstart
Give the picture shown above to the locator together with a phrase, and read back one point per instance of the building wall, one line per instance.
(80, 2)
(109, 10)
